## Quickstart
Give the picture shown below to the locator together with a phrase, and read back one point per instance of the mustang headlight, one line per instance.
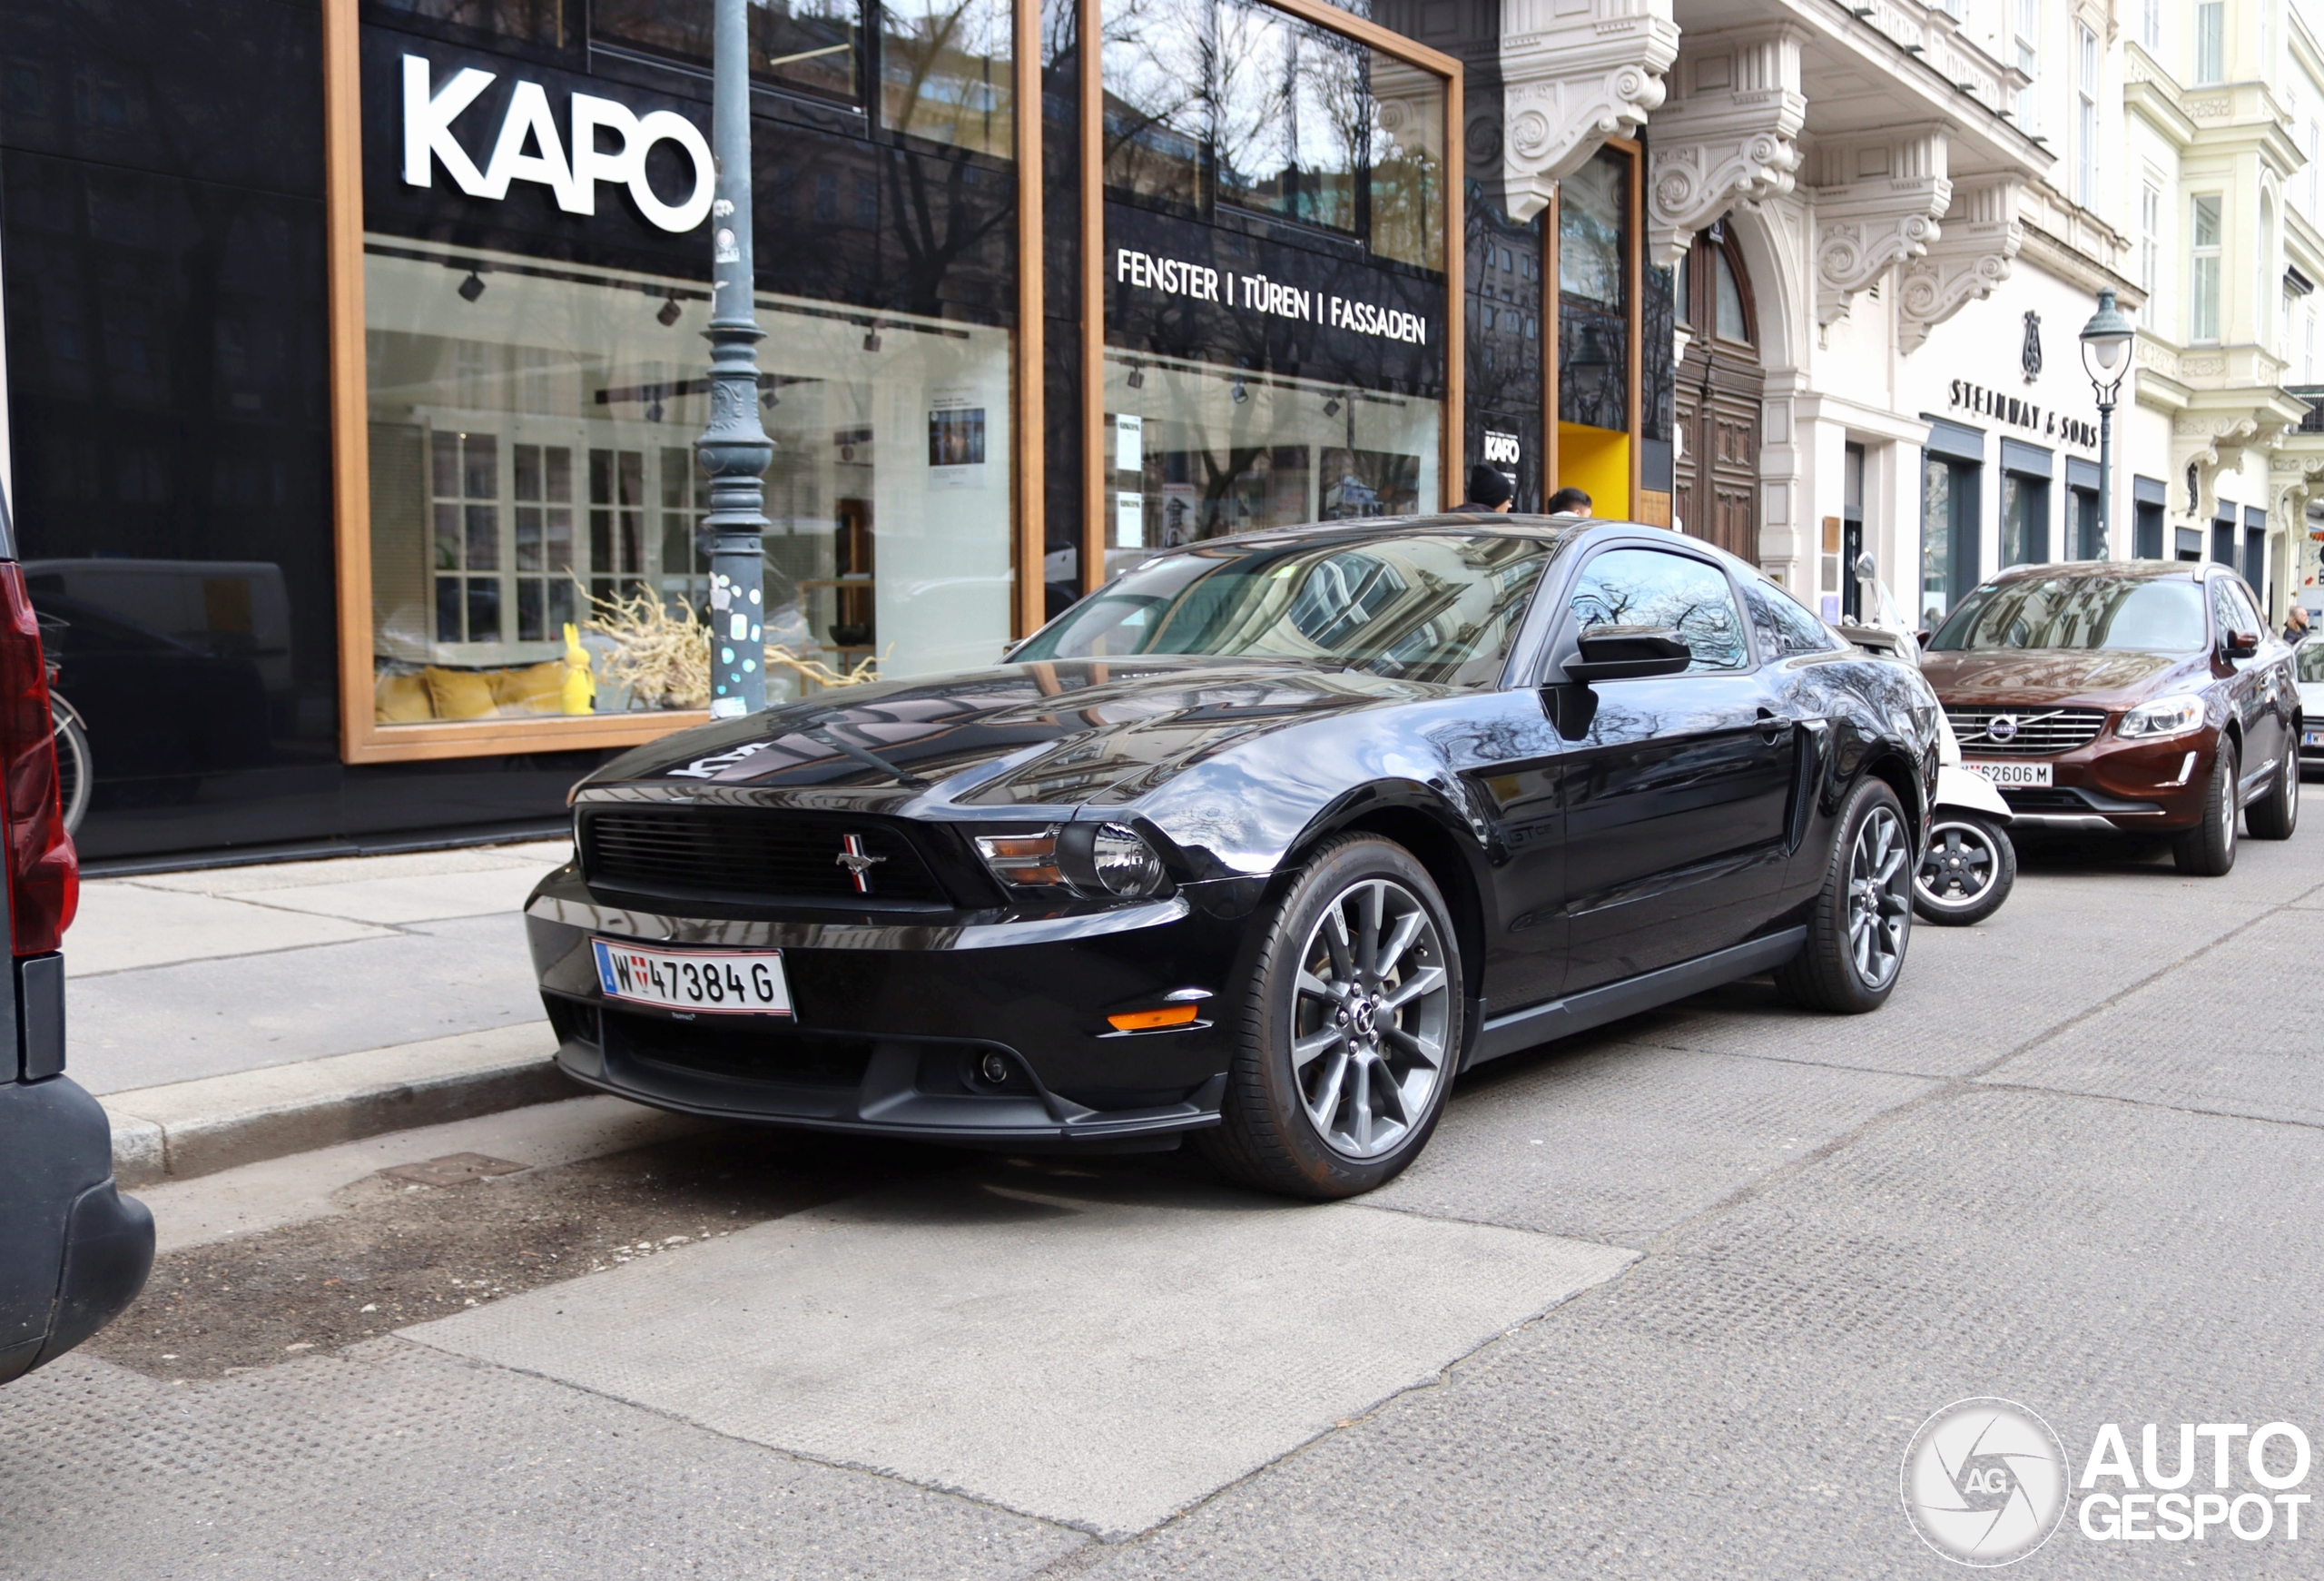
(1107, 860)
(1124, 863)
(2172, 716)
(1023, 861)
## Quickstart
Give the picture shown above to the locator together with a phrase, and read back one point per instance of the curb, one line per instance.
(219, 1122)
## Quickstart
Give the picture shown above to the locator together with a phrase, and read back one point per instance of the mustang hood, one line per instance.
(2044, 676)
(1053, 733)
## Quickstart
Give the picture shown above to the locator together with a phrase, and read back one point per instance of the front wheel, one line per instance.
(2208, 850)
(1862, 917)
(1967, 873)
(1351, 1030)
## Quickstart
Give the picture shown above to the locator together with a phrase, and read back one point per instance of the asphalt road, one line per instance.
(1670, 1300)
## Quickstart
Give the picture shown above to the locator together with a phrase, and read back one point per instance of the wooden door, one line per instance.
(1716, 472)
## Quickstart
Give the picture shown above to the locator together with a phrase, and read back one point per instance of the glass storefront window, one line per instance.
(943, 68)
(532, 464)
(1197, 451)
(1229, 104)
(1594, 331)
(944, 73)
(811, 45)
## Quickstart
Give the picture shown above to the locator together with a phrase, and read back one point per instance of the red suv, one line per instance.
(2140, 697)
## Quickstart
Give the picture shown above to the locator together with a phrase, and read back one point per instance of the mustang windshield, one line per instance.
(2083, 611)
(1429, 607)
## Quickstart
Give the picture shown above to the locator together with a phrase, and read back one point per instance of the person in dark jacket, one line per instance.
(1489, 491)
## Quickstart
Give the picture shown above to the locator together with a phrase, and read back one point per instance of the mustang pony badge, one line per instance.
(857, 861)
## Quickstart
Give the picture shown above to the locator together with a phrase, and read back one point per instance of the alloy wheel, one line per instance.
(1880, 902)
(1960, 865)
(1368, 1023)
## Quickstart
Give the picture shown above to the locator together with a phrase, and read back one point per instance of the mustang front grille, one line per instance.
(2025, 732)
(749, 854)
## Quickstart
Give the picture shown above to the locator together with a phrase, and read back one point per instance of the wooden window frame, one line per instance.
(362, 739)
(1090, 24)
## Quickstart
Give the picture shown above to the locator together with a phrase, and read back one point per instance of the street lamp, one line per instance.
(734, 449)
(2105, 357)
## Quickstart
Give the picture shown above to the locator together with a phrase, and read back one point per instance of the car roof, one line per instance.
(2133, 570)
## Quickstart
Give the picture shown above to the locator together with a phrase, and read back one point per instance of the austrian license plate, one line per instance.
(2011, 776)
(2312, 739)
(723, 982)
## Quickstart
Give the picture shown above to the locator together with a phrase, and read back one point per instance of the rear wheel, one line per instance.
(73, 776)
(1967, 873)
(2275, 814)
(1862, 918)
(2208, 850)
(1351, 1030)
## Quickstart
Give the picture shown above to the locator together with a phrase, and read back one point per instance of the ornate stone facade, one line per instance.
(1575, 72)
(1728, 139)
(1982, 234)
(1877, 200)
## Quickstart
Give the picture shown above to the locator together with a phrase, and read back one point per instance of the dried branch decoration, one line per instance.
(662, 652)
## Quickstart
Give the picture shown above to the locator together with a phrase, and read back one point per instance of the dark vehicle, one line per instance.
(2146, 697)
(1264, 841)
(74, 1251)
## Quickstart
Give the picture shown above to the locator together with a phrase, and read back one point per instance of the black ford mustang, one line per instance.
(1263, 842)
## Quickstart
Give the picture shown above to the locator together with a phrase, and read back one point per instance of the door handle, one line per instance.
(1773, 726)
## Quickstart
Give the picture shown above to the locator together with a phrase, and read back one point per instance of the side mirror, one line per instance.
(1923, 637)
(1625, 653)
(2241, 644)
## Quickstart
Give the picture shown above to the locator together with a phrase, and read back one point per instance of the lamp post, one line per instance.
(733, 449)
(2105, 357)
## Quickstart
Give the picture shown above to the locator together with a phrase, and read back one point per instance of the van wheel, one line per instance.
(1351, 1031)
(2275, 814)
(1862, 918)
(2208, 850)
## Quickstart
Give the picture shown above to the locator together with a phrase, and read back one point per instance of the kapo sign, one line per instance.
(428, 141)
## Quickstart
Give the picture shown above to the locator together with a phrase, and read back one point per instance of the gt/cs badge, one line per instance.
(857, 861)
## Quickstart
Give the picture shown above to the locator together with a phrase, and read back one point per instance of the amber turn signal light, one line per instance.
(1148, 1020)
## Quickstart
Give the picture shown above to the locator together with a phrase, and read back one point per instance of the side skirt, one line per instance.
(1540, 1024)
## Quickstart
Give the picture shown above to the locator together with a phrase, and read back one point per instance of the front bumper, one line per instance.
(2113, 786)
(894, 1022)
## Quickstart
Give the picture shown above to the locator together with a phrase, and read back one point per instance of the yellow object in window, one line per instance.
(580, 688)
(537, 688)
(401, 700)
(460, 693)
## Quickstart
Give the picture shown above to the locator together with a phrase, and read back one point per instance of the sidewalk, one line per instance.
(240, 1013)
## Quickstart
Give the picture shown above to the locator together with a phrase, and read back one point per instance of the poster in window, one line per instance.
(956, 439)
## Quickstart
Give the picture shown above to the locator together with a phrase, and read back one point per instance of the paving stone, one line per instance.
(408, 1463)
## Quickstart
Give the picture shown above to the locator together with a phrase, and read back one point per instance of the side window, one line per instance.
(1784, 628)
(1651, 588)
(2247, 615)
(2226, 614)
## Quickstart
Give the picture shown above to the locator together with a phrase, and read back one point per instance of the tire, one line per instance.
(1861, 919)
(1316, 1126)
(1968, 871)
(2208, 850)
(2275, 815)
(73, 773)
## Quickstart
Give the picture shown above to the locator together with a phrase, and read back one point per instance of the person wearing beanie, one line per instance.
(1489, 490)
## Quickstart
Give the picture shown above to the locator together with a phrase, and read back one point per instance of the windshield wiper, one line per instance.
(869, 760)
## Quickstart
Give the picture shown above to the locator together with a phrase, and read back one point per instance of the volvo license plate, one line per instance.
(721, 982)
(2011, 776)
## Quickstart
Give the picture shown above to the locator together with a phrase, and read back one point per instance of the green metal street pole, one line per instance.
(733, 449)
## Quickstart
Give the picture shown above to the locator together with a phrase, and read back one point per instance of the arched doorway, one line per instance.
(1716, 483)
